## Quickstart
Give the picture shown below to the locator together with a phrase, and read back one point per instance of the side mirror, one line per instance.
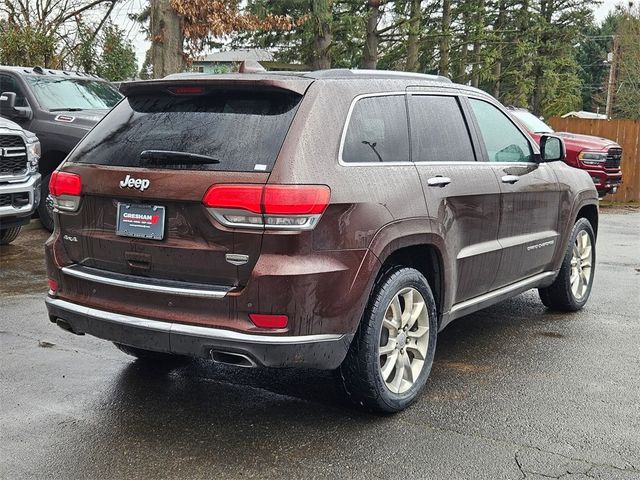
(551, 148)
(8, 107)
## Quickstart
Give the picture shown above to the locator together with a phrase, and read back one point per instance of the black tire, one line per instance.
(559, 295)
(361, 370)
(45, 209)
(8, 235)
(157, 358)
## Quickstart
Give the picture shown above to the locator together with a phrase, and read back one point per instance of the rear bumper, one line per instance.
(323, 351)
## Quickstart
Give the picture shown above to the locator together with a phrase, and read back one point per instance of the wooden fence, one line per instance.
(627, 134)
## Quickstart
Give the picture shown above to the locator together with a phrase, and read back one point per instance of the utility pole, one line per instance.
(613, 75)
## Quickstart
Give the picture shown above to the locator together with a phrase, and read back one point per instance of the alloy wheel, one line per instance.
(581, 265)
(404, 340)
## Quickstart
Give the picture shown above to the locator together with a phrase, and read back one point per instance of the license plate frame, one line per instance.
(140, 221)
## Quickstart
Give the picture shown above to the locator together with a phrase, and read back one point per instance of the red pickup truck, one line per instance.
(598, 156)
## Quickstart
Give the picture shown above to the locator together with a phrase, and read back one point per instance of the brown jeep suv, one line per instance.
(335, 219)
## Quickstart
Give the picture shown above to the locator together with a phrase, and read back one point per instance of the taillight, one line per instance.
(282, 207)
(65, 189)
(53, 286)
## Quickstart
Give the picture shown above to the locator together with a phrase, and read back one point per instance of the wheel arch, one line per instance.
(423, 251)
(590, 213)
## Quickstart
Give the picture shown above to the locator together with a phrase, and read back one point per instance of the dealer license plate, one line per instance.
(141, 221)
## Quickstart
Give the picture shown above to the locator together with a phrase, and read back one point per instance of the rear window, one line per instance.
(242, 130)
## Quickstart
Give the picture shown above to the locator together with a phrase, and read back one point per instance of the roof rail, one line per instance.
(347, 73)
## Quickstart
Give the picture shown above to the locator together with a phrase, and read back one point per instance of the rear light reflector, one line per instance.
(65, 189)
(53, 286)
(269, 321)
(283, 207)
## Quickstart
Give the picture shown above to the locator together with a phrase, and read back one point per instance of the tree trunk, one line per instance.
(370, 54)
(461, 74)
(414, 36)
(546, 12)
(445, 39)
(477, 45)
(322, 18)
(167, 53)
(497, 67)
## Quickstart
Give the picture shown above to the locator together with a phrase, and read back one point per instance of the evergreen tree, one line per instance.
(118, 59)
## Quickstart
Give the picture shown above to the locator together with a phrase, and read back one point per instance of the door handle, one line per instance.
(438, 181)
(510, 179)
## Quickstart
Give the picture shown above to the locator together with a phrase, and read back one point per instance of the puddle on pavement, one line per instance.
(22, 269)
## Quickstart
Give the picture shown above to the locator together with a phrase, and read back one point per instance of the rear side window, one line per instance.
(242, 130)
(438, 130)
(377, 131)
(503, 141)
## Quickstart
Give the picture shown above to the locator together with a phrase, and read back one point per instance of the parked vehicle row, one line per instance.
(335, 219)
(59, 107)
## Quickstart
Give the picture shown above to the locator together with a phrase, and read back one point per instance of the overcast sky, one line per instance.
(132, 30)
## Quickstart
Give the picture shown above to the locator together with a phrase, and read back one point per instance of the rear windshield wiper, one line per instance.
(159, 157)
(73, 109)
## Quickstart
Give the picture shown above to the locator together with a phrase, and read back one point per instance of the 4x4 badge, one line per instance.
(140, 183)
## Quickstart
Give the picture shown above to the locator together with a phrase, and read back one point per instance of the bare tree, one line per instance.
(61, 21)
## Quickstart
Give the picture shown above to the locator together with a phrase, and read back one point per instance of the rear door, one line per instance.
(530, 196)
(142, 213)
(463, 195)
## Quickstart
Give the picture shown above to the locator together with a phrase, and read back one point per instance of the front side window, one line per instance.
(377, 131)
(438, 130)
(9, 84)
(503, 141)
(59, 93)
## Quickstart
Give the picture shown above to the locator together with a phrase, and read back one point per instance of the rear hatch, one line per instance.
(146, 167)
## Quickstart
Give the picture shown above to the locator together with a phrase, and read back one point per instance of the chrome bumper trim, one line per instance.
(152, 285)
(189, 330)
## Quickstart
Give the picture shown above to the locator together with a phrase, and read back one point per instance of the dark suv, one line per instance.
(334, 219)
(60, 107)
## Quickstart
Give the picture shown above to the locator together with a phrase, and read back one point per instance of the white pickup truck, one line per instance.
(19, 178)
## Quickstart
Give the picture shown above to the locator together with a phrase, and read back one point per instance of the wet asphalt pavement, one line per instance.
(516, 392)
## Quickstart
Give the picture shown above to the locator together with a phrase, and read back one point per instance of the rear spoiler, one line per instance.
(292, 83)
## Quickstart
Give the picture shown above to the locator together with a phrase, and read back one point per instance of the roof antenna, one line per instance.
(251, 66)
